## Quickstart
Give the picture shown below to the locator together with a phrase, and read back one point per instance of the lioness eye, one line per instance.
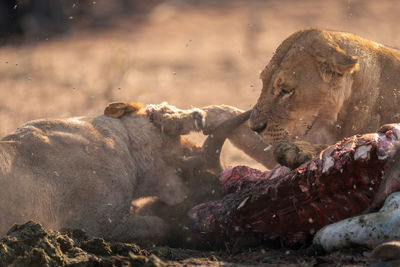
(285, 92)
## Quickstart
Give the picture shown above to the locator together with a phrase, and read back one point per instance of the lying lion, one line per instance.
(84, 172)
(321, 86)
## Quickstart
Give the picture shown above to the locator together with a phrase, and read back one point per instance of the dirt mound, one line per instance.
(30, 244)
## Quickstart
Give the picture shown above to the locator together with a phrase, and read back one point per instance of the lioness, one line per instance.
(84, 172)
(321, 86)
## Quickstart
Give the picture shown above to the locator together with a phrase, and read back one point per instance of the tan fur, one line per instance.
(173, 121)
(84, 172)
(321, 86)
(118, 109)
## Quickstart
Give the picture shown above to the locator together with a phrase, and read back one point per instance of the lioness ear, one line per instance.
(332, 60)
(118, 109)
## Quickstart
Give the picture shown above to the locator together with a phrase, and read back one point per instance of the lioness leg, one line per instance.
(174, 121)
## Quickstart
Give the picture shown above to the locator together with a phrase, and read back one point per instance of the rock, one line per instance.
(387, 251)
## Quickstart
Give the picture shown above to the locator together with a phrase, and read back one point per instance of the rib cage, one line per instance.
(292, 205)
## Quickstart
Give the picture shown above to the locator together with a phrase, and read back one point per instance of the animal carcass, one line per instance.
(291, 205)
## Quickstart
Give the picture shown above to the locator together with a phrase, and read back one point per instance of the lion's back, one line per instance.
(56, 171)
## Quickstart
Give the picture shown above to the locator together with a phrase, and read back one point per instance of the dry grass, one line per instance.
(181, 54)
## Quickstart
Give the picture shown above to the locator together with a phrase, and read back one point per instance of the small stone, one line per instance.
(387, 251)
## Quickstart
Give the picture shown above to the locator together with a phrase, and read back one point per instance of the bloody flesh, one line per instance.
(291, 205)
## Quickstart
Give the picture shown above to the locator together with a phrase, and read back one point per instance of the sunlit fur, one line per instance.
(335, 84)
(84, 172)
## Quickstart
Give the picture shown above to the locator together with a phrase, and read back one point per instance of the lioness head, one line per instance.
(304, 87)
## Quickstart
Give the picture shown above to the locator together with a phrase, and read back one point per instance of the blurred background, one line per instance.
(62, 58)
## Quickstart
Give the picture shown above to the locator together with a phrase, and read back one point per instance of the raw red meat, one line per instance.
(291, 205)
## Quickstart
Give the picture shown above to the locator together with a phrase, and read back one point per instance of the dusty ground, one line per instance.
(184, 54)
(31, 245)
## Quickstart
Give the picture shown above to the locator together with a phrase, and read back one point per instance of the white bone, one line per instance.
(367, 230)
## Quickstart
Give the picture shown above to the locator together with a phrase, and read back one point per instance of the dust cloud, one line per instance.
(181, 52)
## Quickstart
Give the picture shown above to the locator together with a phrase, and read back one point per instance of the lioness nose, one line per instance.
(259, 128)
(256, 124)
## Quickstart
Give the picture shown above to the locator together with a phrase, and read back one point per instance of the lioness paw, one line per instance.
(174, 121)
(290, 154)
